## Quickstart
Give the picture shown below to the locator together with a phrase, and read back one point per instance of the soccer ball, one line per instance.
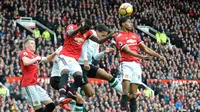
(126, 9)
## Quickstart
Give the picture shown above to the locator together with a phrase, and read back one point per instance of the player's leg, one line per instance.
(78, 105)
(32, 96)
(55, 75)
(132, 96)
(127, 76)
(136, 80)
(77, 73)
(54, 82)
(45, 99)
(64, 63)
(87, 89)
(102, 74)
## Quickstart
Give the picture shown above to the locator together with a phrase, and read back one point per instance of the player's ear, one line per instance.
(123, 24)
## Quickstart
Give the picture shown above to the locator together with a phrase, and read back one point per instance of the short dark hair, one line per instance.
(122, 20)
(88, 24)
(101, 27)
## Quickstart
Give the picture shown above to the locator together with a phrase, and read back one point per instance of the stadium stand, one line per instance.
(180, 20)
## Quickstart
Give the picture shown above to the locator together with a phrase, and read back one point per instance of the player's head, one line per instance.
(101, 30)
(126, 24)
(29, 44)
(86, 27)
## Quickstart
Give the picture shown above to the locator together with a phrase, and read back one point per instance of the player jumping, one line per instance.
(129, 43)
(75, 37)
(90, 50)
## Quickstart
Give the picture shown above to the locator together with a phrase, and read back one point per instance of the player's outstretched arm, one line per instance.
(27, 61)
(52, 56)
(98, 56)
(100, 41)
(49, 58)
(151, 52)
(126, 49)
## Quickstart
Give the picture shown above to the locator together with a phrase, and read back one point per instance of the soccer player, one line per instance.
(35, 95)
(90, 50)
(69, 55)
(77, 102)
(129, 44)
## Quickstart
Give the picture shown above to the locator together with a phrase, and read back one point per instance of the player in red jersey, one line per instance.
(129, 44)
(75, 37)
(35, 95)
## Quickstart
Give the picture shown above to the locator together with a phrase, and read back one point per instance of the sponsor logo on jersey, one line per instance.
(79, 40)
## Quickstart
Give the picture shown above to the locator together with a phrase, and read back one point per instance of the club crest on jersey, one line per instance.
(36, 102)
(120, 43)
(131, 41)
(25, 54)
(126, 75)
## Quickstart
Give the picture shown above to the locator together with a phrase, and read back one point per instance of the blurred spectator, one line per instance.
(179, 19)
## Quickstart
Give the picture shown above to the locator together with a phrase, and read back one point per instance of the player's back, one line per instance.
(29, 73)
(73, 45)
(132, 41)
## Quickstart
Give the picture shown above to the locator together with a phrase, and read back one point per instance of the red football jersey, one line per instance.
(73, 45)
(130, 39)
(29, 73)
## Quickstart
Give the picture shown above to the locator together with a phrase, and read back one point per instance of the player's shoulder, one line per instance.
(24, 53)
(93, 32)
(134, 35)
(120, 36)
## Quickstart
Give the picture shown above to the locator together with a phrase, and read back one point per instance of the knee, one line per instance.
(90, 93)
(54, 82)
(110, 77)
(64, 71)
(50, 107)
(77, 74)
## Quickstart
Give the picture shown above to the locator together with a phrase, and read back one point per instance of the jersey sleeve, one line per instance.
(120, 42)
(23, 54)
(88, 34)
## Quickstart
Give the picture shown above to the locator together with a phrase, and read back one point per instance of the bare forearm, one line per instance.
(50, 57)
(134, 54)
(127, 50)
(152, 53)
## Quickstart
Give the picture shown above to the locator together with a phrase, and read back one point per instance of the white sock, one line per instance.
(72, 105)
(116, 85)
(78, 109)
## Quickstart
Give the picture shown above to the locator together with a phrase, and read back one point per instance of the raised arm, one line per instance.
(84, 26)
(72, 32)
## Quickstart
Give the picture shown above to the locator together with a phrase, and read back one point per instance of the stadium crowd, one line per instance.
(180, 20)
